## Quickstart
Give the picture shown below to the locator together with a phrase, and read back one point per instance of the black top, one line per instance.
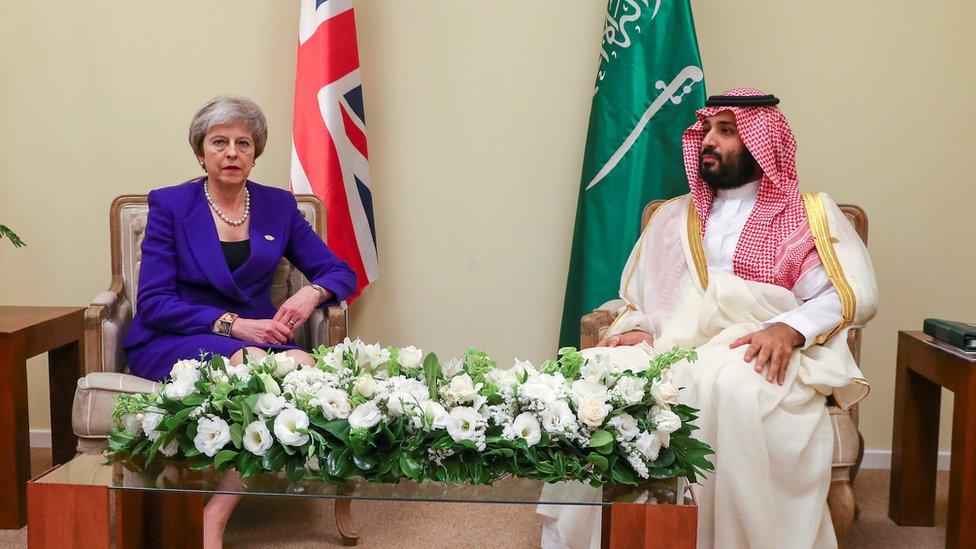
(236, 253)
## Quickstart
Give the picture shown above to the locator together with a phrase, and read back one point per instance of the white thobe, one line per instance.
(731, 208)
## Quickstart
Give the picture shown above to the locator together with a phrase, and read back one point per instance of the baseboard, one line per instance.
(40, 438)
(881, 459)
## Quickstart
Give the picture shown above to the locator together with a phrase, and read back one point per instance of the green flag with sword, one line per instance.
(648, 86)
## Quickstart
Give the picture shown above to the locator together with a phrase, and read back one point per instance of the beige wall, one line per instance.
(477, 115)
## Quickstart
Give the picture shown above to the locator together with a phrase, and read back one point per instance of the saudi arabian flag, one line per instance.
(648, 87)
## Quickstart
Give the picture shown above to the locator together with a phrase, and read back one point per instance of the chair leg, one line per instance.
(343, 516)
(840, 501)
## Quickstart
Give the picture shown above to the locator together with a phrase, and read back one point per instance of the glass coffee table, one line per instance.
(89, 502)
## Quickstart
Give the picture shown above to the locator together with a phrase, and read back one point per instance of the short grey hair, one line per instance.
(223, 110)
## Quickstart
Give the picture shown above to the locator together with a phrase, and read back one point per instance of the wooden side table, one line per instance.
(922, 372)
(26, 332)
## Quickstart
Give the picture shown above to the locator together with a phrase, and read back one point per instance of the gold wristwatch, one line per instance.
(223, 324)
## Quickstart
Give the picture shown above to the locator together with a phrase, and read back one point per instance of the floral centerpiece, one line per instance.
(388, 414)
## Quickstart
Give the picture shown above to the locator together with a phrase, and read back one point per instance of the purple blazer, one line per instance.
(185, 284)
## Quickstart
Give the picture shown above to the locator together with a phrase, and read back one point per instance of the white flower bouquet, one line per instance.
(387, 414)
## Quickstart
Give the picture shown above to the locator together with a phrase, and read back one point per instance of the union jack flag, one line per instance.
(328, 155)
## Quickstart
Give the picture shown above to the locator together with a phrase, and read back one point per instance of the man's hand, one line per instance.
(773, 346)
(633, 337)
(264, 331)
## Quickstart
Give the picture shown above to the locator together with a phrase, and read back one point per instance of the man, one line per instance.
(765, 283)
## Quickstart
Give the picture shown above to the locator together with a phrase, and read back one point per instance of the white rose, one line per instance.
(409, 357)
(538, 390)
(257, 438)
(364, 386)
(334, 403)
(665, 438)
(365, 416)
(664, 392)
(452, 367)
(557, 416)
(464, 424)
(630, 389)
(583, 388)
(178, 390)
(284, 364)
(186, 371)
(286, 426)
(268, 405)
(527, 427)
(649, 445)
(151, 420)
(132, 422)
(666, 421)
(626, 426)
(213, 433)
(593, 410)
(170, 448)
(434, 415)
(463, 388)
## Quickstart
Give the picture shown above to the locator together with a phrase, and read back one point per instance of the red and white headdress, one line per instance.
(776, 245)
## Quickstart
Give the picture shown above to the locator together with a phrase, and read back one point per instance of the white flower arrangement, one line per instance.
(386, 414)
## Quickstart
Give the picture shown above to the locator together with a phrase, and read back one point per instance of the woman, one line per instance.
(209, 255)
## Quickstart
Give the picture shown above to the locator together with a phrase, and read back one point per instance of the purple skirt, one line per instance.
(155, 358)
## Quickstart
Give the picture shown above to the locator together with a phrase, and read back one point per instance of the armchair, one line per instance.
(848, 442)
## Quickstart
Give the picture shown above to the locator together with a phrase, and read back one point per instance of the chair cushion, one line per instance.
(91, 414)
(847, 445)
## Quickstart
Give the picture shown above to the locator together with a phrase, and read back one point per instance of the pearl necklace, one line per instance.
(222, 215)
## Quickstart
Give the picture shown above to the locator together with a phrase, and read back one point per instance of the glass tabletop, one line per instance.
(87, 469)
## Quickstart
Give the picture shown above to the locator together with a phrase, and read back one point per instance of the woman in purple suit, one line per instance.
(211, 249)
(209, 254)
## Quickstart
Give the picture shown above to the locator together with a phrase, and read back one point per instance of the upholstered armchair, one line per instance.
(848, 442)
(111, 311)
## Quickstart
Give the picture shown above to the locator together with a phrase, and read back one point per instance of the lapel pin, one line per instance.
(268, 237)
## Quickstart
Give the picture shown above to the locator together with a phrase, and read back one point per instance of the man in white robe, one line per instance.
(765, 283)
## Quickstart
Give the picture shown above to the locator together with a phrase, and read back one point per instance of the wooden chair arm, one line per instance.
(332, 327)
(593, 326)
(338, 324)
(103, 306)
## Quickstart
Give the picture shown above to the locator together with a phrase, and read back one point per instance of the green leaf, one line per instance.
(432, 371)
(295, 468)
(337, 464)
(199, 464)
(600, 438)
(410, 467)
(223, 457)
(364, 462)
(443, 443)
(665, 459)
(622, 474)
(194, 399)
(599, 461)
(274, 459)
(237, 435)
